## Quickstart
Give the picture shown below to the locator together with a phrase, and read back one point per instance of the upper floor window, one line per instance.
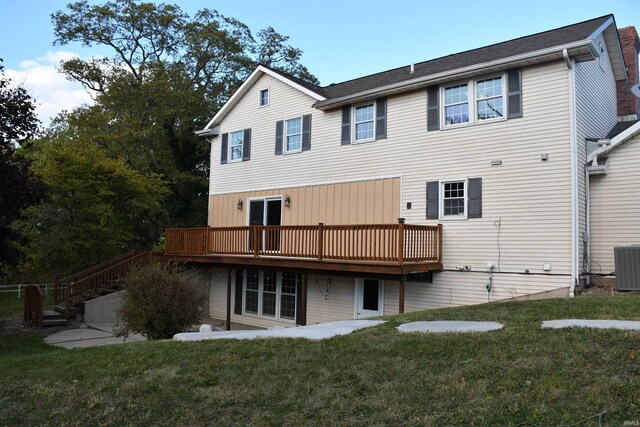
(264, 97)
(474, 101)
(456, 104)
(294, 135)
(489, 99)
(237, 140)
(364, 122)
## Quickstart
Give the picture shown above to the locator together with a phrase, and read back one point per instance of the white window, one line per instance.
(364, 129)
(474, 101)
(237, 139)
(453, 199)
(293, 141)
(489, 99)
(271, 294)
(264, 97)
(456, 104)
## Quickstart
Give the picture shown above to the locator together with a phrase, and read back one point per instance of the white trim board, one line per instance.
(242, 90)
(374, 178)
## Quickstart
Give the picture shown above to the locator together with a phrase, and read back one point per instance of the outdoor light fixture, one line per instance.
(239, 204)
(287, 201)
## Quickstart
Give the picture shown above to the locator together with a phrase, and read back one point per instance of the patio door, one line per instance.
(267, 211)
(369, 298)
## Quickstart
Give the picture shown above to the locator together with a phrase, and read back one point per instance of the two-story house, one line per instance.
(453, 181)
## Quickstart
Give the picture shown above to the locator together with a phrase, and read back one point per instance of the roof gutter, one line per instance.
(447, 75)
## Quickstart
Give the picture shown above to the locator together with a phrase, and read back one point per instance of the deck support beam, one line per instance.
(228, 299)
(403, 279)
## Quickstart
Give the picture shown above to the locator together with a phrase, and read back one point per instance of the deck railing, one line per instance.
(362, 242)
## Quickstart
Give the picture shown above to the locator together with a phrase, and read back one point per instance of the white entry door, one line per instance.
(369, 298)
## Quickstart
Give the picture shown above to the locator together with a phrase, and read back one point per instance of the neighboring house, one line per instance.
(483, 153)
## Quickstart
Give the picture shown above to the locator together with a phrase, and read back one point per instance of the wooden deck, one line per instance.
(381, 249)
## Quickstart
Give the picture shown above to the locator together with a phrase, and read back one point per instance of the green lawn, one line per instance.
(521, 375)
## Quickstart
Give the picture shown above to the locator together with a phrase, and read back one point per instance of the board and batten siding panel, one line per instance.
(528, 199)
(376, 201)
(596, 114)
(615, 206)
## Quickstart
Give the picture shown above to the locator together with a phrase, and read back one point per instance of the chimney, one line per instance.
(628, 105)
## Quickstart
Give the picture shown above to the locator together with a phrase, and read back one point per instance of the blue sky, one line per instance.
(341, 39)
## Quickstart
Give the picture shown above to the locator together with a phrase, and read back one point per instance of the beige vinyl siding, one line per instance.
(373, 201)
(332, 298)
(338, 305)
(340, 299)
(596, 114)
(531, 198)
(615, 206)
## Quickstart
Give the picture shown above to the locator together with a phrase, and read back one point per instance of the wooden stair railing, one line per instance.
(88, 285)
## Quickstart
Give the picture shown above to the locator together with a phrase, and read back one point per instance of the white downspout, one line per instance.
(574, 175)
(587, 225)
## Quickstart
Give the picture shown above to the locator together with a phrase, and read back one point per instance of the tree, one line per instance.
(19, 188)
(168, 76)
(97, 207)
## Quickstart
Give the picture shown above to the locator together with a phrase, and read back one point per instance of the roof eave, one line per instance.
(213, 131)
(622, 137)
(244, 88)
(582, 49)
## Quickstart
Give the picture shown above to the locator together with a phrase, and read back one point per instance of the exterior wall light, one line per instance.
(239, 204)
(287, 201)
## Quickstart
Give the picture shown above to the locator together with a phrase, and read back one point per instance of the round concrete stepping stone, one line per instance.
(598, 324)
(449, 326)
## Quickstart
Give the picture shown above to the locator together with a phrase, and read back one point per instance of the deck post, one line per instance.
(403, 279)
(401, 240)
(320, 240)
(228, 326)
(255, 241)
(439, 242)
(305, 280)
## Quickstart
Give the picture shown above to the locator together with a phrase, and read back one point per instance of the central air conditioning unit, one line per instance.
(627, 260)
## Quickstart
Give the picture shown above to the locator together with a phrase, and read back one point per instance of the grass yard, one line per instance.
(521, 375)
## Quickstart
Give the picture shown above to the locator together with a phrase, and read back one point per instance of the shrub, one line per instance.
(160, 301)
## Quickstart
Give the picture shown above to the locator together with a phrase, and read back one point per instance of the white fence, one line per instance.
(46, 288)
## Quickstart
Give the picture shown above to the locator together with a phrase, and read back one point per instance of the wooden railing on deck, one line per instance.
(364, 242)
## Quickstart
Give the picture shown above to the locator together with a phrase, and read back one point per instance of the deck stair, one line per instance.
(53, 318)
(71, 292)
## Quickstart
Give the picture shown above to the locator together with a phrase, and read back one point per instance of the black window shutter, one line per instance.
(514, 93)
(224, 148)
(433, 108)
(301, 311)
(381, 118)
(474, 208)
(279, 138)
(346, 125)
(433, 198)
(239, 291)
(246, 145)
(306, 132)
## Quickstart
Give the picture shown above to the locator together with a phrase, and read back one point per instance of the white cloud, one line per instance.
(49, 87)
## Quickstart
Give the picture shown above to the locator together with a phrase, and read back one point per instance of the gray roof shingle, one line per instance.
(521, 45)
